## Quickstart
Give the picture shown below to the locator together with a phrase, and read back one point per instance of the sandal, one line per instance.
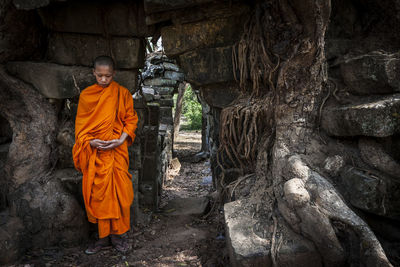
(120, 244)
(98, 246)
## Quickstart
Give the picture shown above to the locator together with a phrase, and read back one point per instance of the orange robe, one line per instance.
(104, 113)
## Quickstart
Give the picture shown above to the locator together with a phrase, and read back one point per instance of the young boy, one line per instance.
(104, 128)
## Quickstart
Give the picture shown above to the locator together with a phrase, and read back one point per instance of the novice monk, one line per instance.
(104, 128)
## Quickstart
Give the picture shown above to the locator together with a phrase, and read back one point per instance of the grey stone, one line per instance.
(179, 39)
(59, 81)
(148, 93)
(337, 47)
(220, 95)
(172, 75)
(159, 82)
(135, 204)
(166, 102)
(165, 91)
(118, 18)
(135, 162)
(248, 239)
(372, 192)
(374, 154)
(373, 73)
(82, 49)
(171, 66)
(165, 112)
(369, 116)
(30, 4)
(208, 66)
(187, 206)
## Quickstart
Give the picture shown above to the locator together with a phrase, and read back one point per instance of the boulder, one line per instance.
(178, 39)
(373, 73)
(249, 239)
(208, 65)
(377, 116)
(372, 192)
(82, 49)
(59, 81)
(187, 206)
(118, 18)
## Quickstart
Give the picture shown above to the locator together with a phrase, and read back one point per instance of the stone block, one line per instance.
(171, 66)
(369, 116)
(11, 239)
(148, 93)
(165, 90)
(166, 102)
(373, 73)
(372, 192)
(135, 204)
(172, 75)
(220, 95)
(153, 6)
(82, 49)
(159, 82)
(59, 81)
(248, 240)
(195, 206)
(118, 18)
(207, 66)
(178, 39)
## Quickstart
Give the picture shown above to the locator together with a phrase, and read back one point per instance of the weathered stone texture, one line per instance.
(153, 6)
(208, 65)
(81, 49)
(370, 116)
(220, 95)
(119, 18)
(59, 81)
(373, 73)
(210, 33)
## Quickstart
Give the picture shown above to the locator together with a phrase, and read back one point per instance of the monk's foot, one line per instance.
(120, 243)
(101, 244)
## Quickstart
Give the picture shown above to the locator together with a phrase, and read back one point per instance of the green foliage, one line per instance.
(191, 110)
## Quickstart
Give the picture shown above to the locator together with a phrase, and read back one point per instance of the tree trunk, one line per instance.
(291, 89)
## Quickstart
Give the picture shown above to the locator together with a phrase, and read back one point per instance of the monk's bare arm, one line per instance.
(107, 145)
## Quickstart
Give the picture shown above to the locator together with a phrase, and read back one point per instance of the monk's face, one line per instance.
(104, 75)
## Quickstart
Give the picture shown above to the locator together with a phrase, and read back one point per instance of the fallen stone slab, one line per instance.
(249, 239)
(59, 81)
(82, 49)
(377, 116)
(187, 206)
(208, 65)
(373, 73)
(178, 39)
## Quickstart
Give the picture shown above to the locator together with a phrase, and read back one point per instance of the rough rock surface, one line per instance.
(187, 206)
(370, 116)
(82, 49)
(59, 81)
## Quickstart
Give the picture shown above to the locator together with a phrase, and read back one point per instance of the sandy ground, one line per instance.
(166, 240)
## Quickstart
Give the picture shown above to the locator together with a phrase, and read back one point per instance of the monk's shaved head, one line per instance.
(104, 61)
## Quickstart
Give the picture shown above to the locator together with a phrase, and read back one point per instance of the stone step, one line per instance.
(373, 73)
(82, 49)
(377, 116)
(195, 206)
(249, 239)
(59, 81)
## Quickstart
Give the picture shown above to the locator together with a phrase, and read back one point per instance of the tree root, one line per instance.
(313, 204)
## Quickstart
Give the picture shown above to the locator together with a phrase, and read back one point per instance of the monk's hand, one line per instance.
(96, 143)
(114, 143)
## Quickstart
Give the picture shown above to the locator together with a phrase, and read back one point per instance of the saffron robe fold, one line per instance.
(105, 113)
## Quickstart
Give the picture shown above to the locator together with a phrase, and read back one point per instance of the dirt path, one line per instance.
(167, 240)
